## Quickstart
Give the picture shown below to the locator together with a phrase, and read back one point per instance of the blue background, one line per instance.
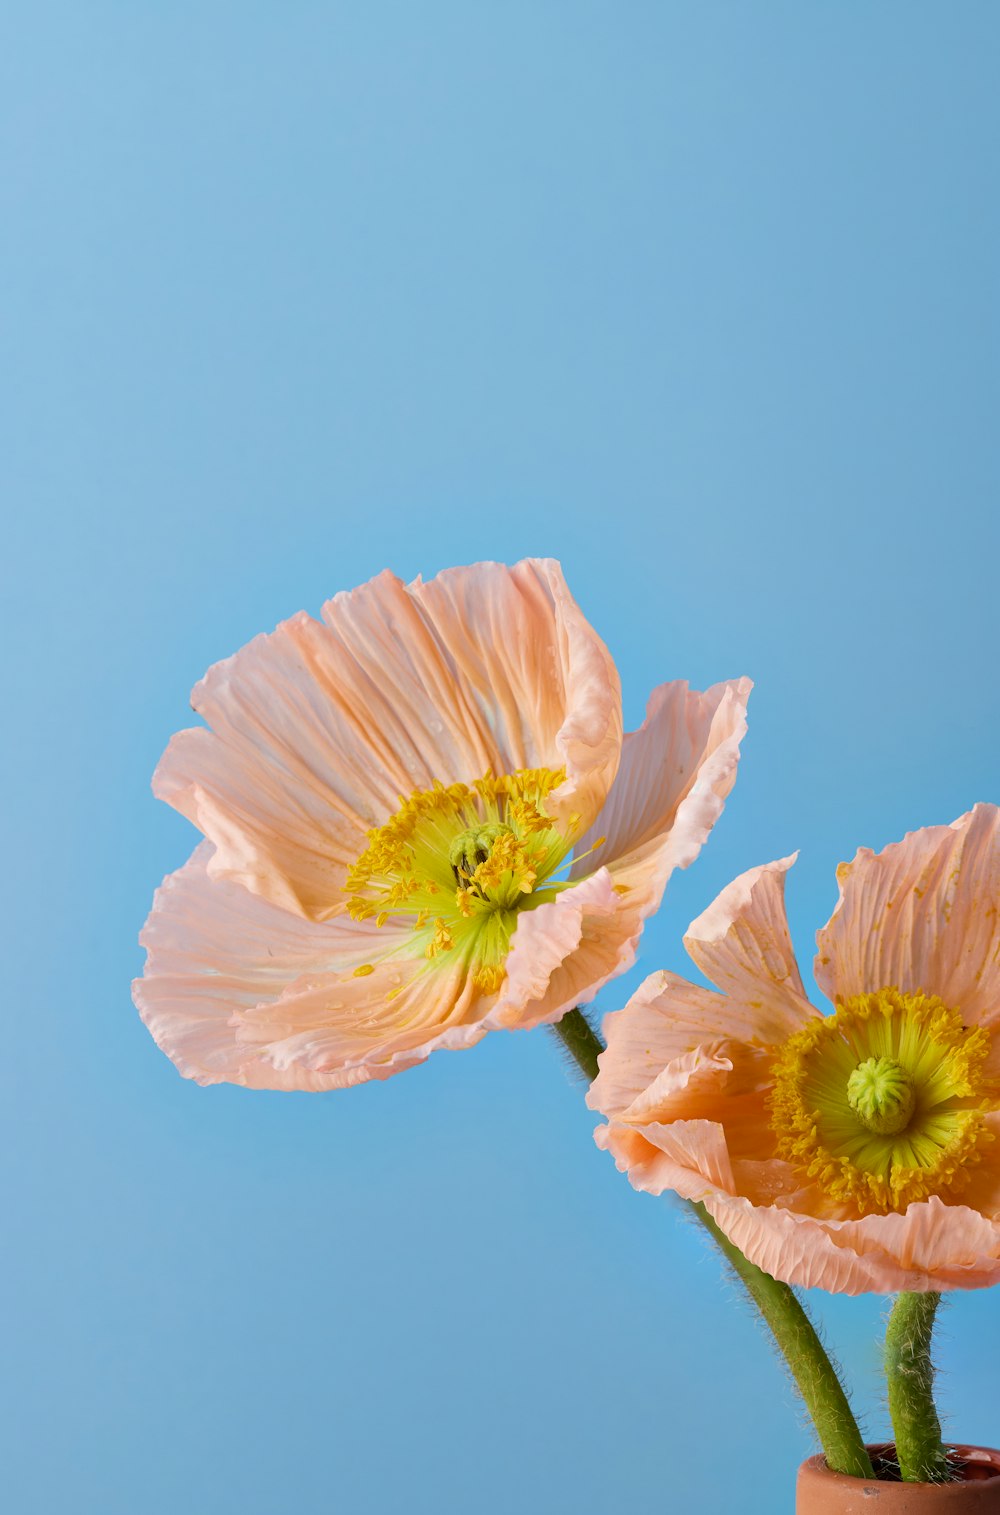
(700, 298)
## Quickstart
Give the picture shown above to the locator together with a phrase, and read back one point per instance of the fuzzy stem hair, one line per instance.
(808, 1363)
(909, 1371)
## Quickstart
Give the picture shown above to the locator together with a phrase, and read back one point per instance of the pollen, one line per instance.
(884, 1102)
(456, 865)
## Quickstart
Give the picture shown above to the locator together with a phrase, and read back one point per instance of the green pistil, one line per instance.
(473, 846)
(882, 1095)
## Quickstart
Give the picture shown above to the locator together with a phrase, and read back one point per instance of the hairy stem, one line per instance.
(580, 1039)
(814, 1374)
(812, 1371)
(909, 1373)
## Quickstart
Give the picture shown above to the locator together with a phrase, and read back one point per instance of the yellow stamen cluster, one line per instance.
(458, 862)
(883, 1102)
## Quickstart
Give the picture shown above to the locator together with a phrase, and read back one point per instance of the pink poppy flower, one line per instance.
(852, 1151)
(422, 823)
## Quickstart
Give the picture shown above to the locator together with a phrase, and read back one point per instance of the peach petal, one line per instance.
(932, 1246)
(288, 779)
(923, 914)
(770, 1181)
(318, 728)
(666, 1018)
(614, 906)
(675, 774)
(238, 990)
(983, 1192)
(536, 681)
(742, 943)
(723, 1081)
(682, 1082)
(687, 1156)
(562, 953)
(686, 1076)
(342, 1026)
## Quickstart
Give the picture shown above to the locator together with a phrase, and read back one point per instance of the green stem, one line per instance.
(810, 1367)
(909, 1373)
(814, 1374)
(580, 1039)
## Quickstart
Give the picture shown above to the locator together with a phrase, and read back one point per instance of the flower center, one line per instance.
(457, 864)
(882, 1095)
(883, 1102)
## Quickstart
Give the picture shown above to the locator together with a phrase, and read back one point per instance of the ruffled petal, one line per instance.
(932, 1246)
(318, 729)
(675, 774)
(349, 1029)
(725, 1082)
(237, 990)
(596, 925)
(742, 943)
(562, 953)
(686, 1156)
(922, 915)
(666, 1018)
(536, 684)
(286, 782)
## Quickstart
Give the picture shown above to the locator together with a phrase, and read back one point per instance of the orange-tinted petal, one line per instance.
(687, 1156)
(922, 916)
(932, 1246)
(742, 943)
(666, 1018)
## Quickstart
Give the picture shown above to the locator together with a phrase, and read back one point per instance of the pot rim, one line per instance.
(976, 1464)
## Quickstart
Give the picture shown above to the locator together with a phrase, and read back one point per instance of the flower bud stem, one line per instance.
(811, 1369)
(909, 1373)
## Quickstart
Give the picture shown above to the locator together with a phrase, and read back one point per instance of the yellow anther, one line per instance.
(441, 941)
(884, 1103)
(456, 862)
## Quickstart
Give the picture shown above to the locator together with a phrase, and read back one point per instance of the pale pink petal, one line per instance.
(536, 682)
(562, 953)
(289, 778)
(318, 729)
(345, 1027)
(715, 724)
(742, 943)
(238, 990)
(640, 873)
(595, 925)
(922, 915)
(675, 774)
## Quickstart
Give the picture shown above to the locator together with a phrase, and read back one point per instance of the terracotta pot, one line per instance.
(976, 1492)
